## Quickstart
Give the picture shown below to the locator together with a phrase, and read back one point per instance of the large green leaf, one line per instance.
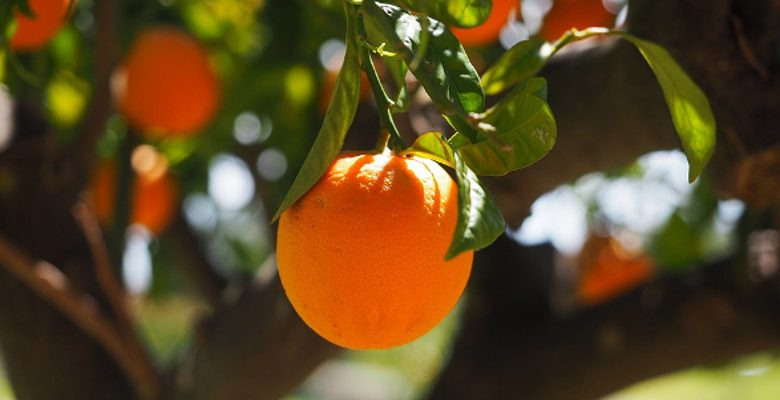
(479, 220)
(525, 131)
(690, 110)
(461, 13)
(444, 71)
(338, 119)
(520, 62)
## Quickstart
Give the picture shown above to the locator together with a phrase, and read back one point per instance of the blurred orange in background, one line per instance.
(608, 269)
(487, 32)
(166, 86)
(579, 14)
(32, 33)
(153, 197)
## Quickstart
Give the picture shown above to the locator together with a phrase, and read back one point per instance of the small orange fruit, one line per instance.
(33, 33)
(166, 86)
(579, 14)
(154, 194)
(361, 255)
(487, 32)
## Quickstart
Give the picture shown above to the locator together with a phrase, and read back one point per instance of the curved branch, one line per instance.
(51, 285)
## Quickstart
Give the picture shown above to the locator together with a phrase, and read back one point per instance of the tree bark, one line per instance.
(610, 111)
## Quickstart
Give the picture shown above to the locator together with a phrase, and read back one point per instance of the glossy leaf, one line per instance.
(479, 220)
(445, 71)
(460, 13)
(520, 62)
(525, 131)
(338, 119)
(690, 110)
(434, 146)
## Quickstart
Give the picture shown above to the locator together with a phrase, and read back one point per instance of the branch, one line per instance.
(53, 286)
(193, 263)
(511, 343)
(82, 152)
(254, 346)
(111, 288)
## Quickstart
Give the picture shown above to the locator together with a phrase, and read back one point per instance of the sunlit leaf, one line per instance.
(520, 62)
(334, 128)
(525, 131)
(434, 146)
(444, 71)
(460, 13)
(690, 110)
(479, 220)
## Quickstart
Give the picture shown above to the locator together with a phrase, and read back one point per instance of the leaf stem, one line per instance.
(384, 104)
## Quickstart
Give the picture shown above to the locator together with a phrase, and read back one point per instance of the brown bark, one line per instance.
(254, 346)
(610, 110)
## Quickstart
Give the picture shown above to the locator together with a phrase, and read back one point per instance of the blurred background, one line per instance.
(612, 234)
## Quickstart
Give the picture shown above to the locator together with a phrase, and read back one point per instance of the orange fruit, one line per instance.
(154, 193)
(166, 86)
(361, 255)
(579, 14)
(34, 33)
(608, 269)
(487, 32)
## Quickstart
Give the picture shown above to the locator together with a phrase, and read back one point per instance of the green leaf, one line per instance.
(434, 146)
(479, 220)
(690, 110)
(525, 131)
(460, 13)
(338, 119)
(691, 113)
(444, 71)
(520, 62)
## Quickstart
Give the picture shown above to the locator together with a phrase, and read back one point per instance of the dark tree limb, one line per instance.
(254, 346)
(610, 111)
(51, 285)
(505, 351)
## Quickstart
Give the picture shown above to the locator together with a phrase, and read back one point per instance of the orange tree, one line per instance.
(373, 250)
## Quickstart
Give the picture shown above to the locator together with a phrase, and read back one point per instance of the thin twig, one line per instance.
(53, 286)
(747, 50)
(103, 270)
(110, 287)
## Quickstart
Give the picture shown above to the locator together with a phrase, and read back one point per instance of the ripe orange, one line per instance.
(361, 255)
(154, 194)
(579, 14)
(34, 33)
(608, 269)
(488, 31)
(166, 86)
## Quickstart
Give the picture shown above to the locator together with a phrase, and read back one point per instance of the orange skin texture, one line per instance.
(361, 255)
(167, 86)
(487, 32)
(608, 270)
(579, 14)
(34, 33)
(153, 203)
